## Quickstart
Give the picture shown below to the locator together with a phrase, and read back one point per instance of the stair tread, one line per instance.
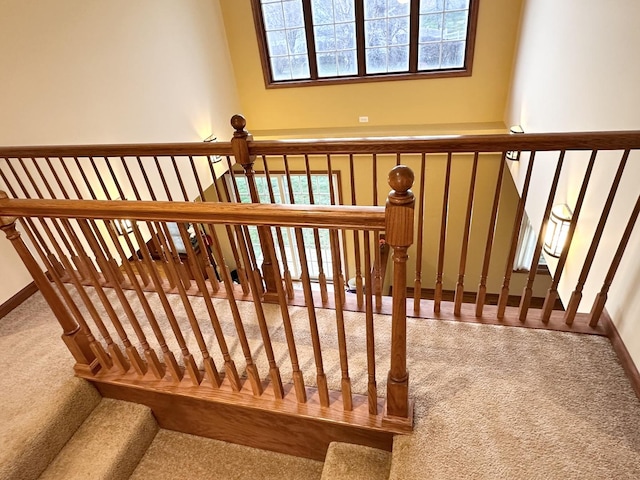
(108, 445)
(347, 461)
(172, 453)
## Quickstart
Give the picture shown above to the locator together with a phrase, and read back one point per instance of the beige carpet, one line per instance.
(491, 402)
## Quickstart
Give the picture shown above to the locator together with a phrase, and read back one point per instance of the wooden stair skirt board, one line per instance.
(285, 426)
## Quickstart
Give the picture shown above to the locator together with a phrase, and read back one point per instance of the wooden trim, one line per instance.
(470, 297)
(196, 149)
(305, 216)
(472, 28)
(17, 299)
(618, 140)
(620, 348)
(285, 426)
(381, 77)
(311, 42)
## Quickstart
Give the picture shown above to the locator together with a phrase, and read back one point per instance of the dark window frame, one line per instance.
(362, 77)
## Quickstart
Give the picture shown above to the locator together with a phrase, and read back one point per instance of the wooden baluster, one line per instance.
(209, 365)
(465, 239)
(601, 298)
(255, 290)
(105, 258)
(154, 239)
(32, 231)
(482, 288)
(372, 389)
(53, 261)
(74, 338)
(517, 223)
(188, 360)
(152, 358)
(242, 276)
(240, 146)
(204, 250)
(417, 284)
(399, 231)
(25, 192)
(321, 378)
(242, 235)
(437, 298)
(576, 296)
(180, 271)
(298, 379)
(552, 293)
(66, 223)
(283, 253)
(373, 277)
(527, 293)
(322, 277)
(167, 354)
(230, 366)
(356, 239)
(347, 399)
(338, 281)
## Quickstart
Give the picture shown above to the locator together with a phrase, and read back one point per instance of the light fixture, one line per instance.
(212, 158)
(514, 155)
(557, 230)
(123, 227)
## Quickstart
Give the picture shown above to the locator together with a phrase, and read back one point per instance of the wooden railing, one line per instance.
(68, 235)
(314, 223)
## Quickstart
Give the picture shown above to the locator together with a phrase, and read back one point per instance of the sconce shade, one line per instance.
(514, 155)
(557, 230)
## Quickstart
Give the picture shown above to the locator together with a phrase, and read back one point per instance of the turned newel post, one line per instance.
(399, 235)
(240, 146)
(75, 340)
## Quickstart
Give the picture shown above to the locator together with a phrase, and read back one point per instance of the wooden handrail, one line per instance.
(613, 140)
(304, 216)
(619, 140)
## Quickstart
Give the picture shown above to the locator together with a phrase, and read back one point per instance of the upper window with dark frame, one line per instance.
(335, 41)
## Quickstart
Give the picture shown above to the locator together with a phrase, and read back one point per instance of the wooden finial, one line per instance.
(238, 122)
(6, 221)
(401, 180)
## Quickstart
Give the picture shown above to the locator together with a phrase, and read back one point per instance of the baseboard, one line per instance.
(621, 351)
(17, 299)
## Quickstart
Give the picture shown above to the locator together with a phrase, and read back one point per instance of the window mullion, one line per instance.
(311, 43)
(414, 35)
(360, 45)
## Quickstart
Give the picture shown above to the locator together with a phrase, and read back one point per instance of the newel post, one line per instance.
(399, 235)
(240, 146)
(73, 337)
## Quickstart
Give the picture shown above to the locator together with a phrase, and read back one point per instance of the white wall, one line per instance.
(78, 72)
(576, 70)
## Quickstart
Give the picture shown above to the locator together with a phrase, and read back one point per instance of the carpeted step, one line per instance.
(345, 461)
(108, 445)
(30, 442)
(178, 455)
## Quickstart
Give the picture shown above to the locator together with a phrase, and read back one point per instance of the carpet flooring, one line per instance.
(491, 401)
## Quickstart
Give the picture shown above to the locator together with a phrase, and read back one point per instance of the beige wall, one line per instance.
(466, 100)
(576, 71)
(77, 72)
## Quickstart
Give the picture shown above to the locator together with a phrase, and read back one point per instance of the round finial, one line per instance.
(238, 122)
(3, 194)
(401, 178)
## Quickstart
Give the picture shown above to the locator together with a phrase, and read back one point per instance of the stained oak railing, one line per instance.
(258, 220)
(95, 249)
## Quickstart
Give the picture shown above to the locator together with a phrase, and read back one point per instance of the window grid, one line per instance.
(321, 196)
(360, 40)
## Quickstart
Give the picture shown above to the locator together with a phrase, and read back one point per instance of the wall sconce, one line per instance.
(123, 226)
(212, 158)
(513, 155)
(557, 230)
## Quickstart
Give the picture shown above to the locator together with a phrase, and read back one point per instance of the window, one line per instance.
(329, 41)
(280, 187)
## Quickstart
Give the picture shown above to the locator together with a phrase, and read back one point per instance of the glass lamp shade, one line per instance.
(557, 230)
(514, 155)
